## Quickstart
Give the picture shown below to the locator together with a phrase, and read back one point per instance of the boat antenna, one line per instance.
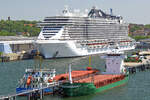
(38, 58)
(111, 11)
(35, 61)
(70, 77)
(90, 65)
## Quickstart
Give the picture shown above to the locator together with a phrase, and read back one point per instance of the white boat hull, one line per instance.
(56, 48)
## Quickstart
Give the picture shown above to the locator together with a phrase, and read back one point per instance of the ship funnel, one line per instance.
(111, 11)
(70, 77)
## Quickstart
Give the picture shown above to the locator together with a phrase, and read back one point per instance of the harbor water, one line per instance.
(137, 88)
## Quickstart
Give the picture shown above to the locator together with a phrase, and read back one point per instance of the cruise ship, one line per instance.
(75, 33)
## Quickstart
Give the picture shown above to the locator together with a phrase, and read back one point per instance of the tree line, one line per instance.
(20, 27)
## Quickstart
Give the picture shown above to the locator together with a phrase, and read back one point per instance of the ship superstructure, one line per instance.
(80, 34)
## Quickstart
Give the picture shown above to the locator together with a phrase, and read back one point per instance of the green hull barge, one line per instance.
(80, 89)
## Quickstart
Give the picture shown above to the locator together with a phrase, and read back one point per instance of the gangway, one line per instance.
(30, 93)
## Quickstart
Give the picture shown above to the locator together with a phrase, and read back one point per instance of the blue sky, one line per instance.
(133, 11)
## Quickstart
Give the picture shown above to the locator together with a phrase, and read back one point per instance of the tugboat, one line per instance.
(35, 79)
(90, 81)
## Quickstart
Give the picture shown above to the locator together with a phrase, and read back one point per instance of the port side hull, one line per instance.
(79, 89)
(54, 49)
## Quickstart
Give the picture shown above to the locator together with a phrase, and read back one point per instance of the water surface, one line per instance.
(137, 88)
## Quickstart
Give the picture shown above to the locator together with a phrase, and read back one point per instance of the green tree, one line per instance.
(147, 26)
(9, 27)
(135, 28)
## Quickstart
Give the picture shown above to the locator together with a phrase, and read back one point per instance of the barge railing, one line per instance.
(30, 93)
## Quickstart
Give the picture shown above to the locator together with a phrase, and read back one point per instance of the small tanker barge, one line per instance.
(90, 81)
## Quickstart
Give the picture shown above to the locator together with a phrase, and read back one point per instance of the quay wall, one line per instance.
(19, 43)
(21, 48)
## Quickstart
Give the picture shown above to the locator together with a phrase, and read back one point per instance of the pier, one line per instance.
(34, 94)
(133, 67)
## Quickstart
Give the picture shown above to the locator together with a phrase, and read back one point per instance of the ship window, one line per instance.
(56, 19)
(49, 32)
(53, 27)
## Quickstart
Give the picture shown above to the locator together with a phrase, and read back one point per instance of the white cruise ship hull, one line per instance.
(56, 49)
(52, 49)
